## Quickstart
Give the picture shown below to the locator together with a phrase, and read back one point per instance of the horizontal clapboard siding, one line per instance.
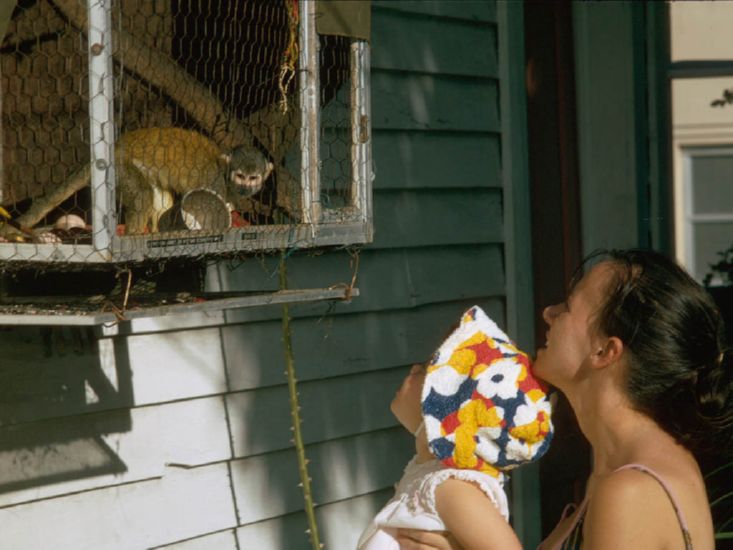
(465, 10)
(326, 347)
(416, 101)
(225, 540)
(267, 485)
(336, 522)
(419, 160)
(174, 432)
(107, 448)
(431, 49)
(388, 279)
(437, 218)
(140, 515)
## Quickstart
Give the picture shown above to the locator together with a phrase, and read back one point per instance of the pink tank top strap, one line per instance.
(670, 494)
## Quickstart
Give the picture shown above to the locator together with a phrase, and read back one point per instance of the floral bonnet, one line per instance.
(482, 407)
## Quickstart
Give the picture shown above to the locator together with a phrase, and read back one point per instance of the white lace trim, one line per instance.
(491, 486)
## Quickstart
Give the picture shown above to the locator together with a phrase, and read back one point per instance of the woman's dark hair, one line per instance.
(679, 367)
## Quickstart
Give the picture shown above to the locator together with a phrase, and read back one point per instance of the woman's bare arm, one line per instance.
(414, 539)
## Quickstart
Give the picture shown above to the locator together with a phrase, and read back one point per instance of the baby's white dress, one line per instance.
(413, 505)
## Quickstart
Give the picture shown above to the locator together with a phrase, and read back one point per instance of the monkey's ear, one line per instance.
(268, 170)
(225, 159)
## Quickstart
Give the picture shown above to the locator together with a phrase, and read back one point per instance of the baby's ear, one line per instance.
(225, 159)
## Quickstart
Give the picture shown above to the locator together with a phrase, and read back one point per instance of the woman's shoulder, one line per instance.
(639, 502)
(626, 509)
(624, 496)
(645, 486)
(631, 482)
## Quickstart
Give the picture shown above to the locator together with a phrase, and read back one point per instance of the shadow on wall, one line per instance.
(355, 450)
(48, 375)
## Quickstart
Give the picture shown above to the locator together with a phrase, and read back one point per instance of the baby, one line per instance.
(476, 412)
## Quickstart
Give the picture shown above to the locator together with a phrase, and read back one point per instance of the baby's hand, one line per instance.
(414, 539)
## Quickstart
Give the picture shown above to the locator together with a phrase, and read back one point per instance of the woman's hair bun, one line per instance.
(714, 390)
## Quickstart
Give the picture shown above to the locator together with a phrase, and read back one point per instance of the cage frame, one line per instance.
(320, 226)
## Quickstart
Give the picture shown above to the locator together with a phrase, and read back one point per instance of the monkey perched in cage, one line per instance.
(156, 164)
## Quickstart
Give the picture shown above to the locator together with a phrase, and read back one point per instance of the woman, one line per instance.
(637, 348)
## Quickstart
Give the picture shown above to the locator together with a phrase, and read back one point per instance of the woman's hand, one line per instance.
(414, 539)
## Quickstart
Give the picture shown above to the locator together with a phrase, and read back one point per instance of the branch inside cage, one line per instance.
(160, 70)
(163, 72)
(43, 205)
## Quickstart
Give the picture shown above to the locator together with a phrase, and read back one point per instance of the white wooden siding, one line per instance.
(177, 506)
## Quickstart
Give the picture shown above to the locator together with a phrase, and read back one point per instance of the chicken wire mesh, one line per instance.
(336, 173)
(144, 130)
(226, 88)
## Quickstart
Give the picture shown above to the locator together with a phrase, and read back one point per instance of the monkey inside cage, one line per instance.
(141, 130)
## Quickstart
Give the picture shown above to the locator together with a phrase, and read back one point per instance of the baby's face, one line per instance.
(406, 403)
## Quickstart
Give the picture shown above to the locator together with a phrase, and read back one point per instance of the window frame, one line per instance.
(690, 219)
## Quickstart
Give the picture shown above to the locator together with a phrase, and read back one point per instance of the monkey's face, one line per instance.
(248, 170)
(246, 184)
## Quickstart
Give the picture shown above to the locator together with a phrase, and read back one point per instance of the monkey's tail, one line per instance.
(44, 204)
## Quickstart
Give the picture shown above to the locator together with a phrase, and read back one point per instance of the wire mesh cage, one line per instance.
(136, 131)
(143, 129)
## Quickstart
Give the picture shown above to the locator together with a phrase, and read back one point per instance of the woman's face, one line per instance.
(570, 339)
(406, 403)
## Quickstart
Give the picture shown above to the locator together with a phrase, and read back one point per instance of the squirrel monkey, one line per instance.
(156, 164)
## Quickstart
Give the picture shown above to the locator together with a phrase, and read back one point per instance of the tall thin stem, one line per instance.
(305, 479)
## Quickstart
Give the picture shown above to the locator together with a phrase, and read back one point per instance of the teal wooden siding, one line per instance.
(175, 432)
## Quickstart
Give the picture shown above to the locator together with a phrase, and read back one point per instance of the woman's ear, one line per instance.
(609, 351)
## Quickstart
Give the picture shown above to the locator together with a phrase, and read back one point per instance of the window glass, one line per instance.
(709, 239)
(712, 184)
